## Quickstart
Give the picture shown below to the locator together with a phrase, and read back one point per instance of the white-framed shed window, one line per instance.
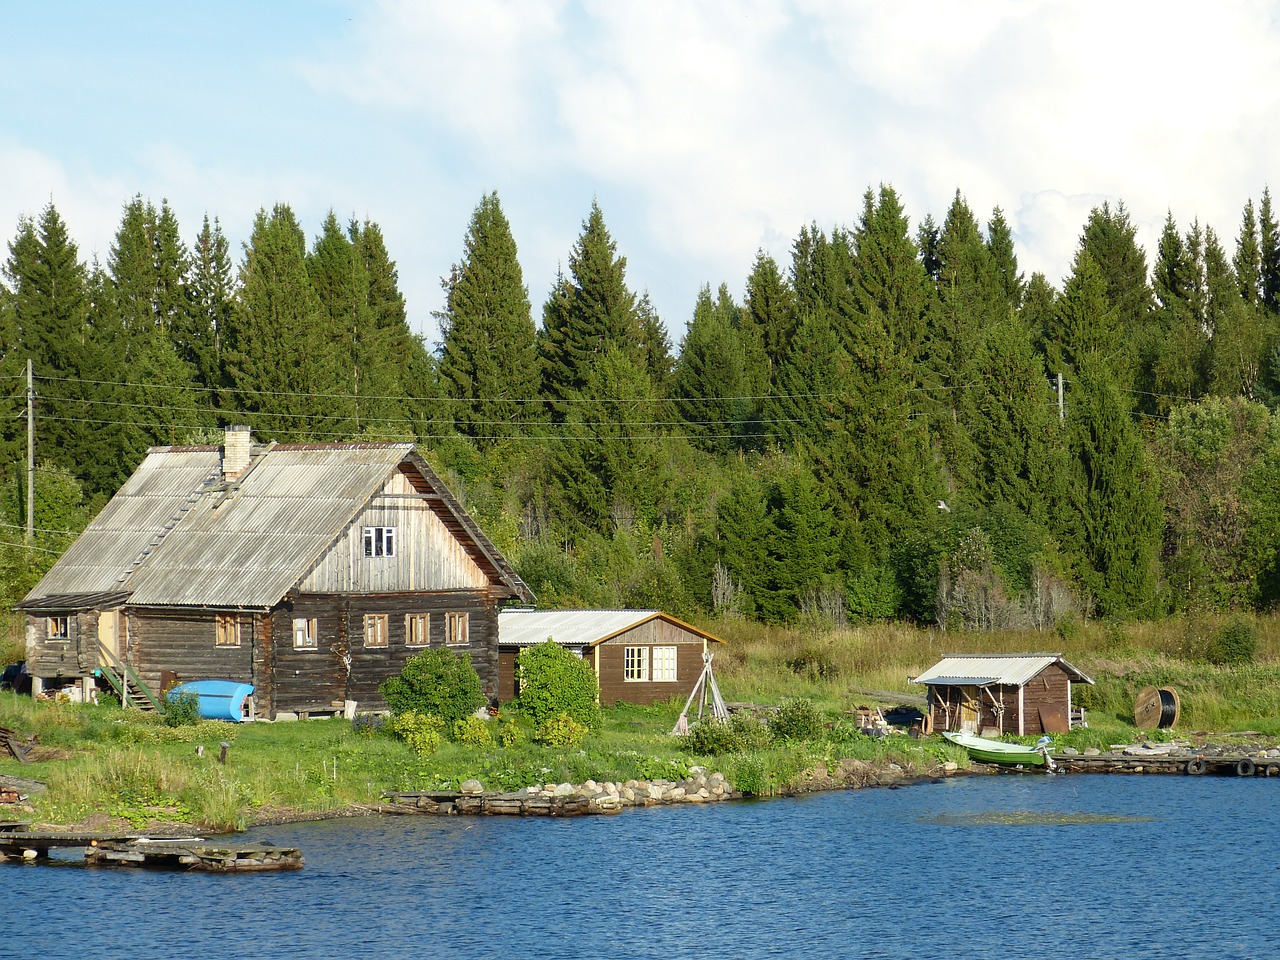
(59, 628)
(375, 629)
(455, 629)
(664, 664)
(379, 541)
(305, 633)
(635, 663)
(417, 629)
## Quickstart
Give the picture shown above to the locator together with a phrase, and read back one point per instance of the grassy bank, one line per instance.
(135, 768)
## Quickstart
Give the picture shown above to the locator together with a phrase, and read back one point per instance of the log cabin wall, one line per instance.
(187, 643)
(321, 678)
(610, 660)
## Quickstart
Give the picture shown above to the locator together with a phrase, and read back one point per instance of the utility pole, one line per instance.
(31, 453)
(1061, 412)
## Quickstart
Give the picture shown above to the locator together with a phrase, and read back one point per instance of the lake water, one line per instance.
(977, 867)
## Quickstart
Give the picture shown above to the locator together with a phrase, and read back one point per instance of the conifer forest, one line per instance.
(895, 423)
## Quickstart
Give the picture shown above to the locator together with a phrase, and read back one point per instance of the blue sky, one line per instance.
(706, 130)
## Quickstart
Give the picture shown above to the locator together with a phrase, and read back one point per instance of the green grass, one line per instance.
(102, 758)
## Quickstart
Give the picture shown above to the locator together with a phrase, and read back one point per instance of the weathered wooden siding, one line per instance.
(319, 680)
(507, 674)
(184, 642)
(609, 658)
(1051, 687)
(427, 556)
(75, 656)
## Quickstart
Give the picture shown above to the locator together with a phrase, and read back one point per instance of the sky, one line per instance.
(706, 130)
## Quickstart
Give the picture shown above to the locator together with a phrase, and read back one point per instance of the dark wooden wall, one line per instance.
(77, 656)
(1050, 687)
(183, 642)
(610, 660)
(318, 680)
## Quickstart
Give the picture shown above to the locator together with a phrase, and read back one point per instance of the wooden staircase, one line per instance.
(127, 684)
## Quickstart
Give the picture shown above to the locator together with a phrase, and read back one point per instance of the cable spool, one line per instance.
(1156, 708)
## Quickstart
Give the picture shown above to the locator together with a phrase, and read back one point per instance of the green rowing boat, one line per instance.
(997, 751)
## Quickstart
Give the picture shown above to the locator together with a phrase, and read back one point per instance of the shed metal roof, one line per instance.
(577, 628)
(1015, 670)
(177, 534)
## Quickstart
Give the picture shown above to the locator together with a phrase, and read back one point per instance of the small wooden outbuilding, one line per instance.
(639, 656)
(1027, 694)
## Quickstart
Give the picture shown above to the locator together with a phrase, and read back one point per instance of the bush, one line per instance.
(509, 734)
(714, 738)
(472, 731)
(439, 682)
(424, 732)
(182, 709)
(553, 682)
(1234, 645)
(367, 724)
(796, 719)
(561, 731)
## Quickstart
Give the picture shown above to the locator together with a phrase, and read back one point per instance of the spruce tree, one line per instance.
(280, 360)
(1248, 257)
(769, 314)
(1000, 246)
(1269, 253)
(488, 362)
(588, 314)
(212, 287)
(708, 384)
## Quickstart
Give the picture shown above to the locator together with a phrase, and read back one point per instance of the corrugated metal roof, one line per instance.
(576, 628)
(978, 669)
(176, 534)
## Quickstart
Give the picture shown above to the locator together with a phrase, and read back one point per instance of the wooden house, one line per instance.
(639, 656)
(312, 571)
(1026, 694)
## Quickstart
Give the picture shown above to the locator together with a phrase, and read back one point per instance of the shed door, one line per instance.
(969, 710)
(108, 635)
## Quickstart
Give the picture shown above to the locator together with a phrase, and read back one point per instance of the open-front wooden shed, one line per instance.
(1026, 694)
(639, 656)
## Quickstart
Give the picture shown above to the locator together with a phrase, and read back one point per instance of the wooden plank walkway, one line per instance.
(159, 853)
(1194, 764)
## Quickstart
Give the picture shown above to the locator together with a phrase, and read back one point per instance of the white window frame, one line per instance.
(417, 629)
(379, 542)
(664, 664)
(375, 630)
(58, 627)
(635, 664)
(226, 629)
(306, 634)
(457, 629)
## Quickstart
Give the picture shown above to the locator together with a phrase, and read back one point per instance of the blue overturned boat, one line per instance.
(219, 699)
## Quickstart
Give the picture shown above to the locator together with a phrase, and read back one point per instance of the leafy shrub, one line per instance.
(750, 776)
(182, 709)
(554, 681)
(424, 732)
(438, 682)
(714, 738)
(797, 719)
(561, 731)
(1234, 645)
(472, 731)
(509, 734)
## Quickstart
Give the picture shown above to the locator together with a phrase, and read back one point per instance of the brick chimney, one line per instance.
(235, 452)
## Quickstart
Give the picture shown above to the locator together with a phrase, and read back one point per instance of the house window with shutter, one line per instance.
(305, 633)
(226, 630)
(455, 629)
(375, 629)
(417, 629)
(635, 663)
(664, 664)
(59, 628)
(379, 541)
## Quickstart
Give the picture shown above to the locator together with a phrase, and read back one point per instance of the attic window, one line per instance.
(59, 628)
(379, 541)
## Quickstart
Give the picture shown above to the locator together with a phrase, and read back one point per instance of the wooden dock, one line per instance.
(1185, 763)
(131, 850)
